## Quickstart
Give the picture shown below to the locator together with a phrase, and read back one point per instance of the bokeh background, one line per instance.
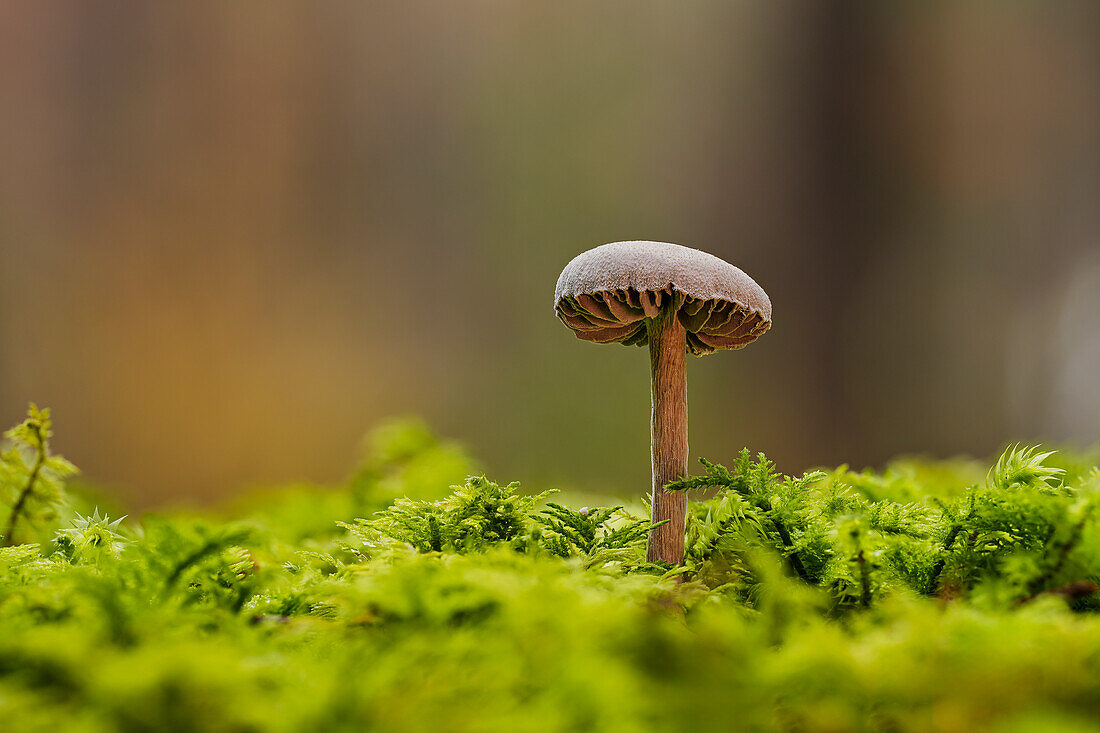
(234, 236)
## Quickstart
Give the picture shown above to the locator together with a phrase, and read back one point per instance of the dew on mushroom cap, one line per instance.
(605, 294)
(676, 300)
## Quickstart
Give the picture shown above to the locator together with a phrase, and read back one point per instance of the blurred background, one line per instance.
(234, 236)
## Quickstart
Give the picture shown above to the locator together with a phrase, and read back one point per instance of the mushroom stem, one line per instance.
(668, 433)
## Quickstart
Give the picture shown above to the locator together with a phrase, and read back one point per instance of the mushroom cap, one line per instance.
(605, 294)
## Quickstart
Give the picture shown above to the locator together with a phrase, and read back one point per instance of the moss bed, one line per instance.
(932, 596)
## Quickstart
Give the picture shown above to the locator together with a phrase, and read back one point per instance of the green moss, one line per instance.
(931, 596)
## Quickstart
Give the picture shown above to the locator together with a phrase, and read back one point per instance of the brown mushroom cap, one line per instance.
(605, 294)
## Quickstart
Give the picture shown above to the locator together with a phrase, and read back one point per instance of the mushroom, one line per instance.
(677, 300)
